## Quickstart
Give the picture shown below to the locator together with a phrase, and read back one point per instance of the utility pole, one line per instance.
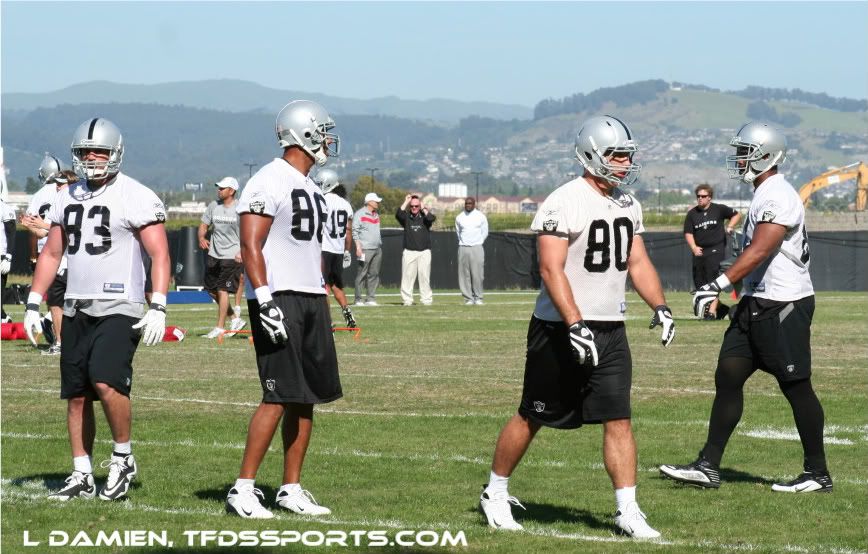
(250, 169)
(372, 170)
(477, 174)
(659, 181)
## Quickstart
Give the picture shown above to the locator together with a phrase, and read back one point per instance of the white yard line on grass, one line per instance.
(21, 491)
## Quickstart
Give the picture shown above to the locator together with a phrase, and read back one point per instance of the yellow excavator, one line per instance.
(856, 170)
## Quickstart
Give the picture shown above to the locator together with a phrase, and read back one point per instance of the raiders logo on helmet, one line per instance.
(257, 207)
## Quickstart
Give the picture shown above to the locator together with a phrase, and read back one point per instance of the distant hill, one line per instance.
(244, 96)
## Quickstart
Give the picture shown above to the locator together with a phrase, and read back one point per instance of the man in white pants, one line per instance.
(471, 225)
(416, 260)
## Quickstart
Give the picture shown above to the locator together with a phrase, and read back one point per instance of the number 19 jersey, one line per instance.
(600, 231)
(104, 253)
(293, 247)
(339, 214)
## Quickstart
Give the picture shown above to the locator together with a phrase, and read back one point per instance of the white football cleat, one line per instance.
(302, 502)
(214, 333)
(235, 325)
(244, 501)
(632, 522)
(498, 512)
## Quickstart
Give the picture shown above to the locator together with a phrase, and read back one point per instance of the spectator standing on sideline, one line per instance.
(416, 259)
(471, 225)
(704, 233)
(223, 268)
(366, 234)
(337, 238)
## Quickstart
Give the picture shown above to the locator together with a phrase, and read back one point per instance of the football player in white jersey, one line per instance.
(283, 215)
(7, 246)
(102, 222)
(54, 178)
(771, 326)
(337, 238)
(578, 368)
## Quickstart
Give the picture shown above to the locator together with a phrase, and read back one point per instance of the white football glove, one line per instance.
(348, 259)
(272, 321)
(153, 324)
(5, 263)
(582, 341)
(706, 294)
(32, 322)
(663, 318)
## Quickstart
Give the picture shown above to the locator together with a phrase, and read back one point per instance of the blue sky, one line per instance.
(513, 52)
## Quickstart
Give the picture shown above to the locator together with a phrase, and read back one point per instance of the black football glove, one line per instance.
(663, 318)
(582, 341)
(272, 321)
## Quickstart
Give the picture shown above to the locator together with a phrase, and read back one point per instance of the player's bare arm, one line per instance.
(49, 261)
(767, 239)
(348, 244)
(552, 257)
(643, 274)
(154, 241)
(254, 230)
(203, 230)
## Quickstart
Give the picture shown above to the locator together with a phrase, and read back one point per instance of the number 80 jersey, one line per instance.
(104, 253)
(293, 248)
(600, 231)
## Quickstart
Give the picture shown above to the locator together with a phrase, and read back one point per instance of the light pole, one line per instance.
(659, 181)
(250, 169)
(477, 174)
(372, 170)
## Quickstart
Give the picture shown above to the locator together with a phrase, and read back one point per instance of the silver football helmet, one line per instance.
(97, 134)
(307, 125)
(49, 168)
(598, 140)
(327, 179)
(758, 148)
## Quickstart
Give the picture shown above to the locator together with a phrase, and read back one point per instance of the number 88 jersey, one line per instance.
(293, 248)
(600, 231)
(104, 253)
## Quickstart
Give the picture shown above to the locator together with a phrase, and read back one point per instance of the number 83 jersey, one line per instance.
(104, 253)
(600, 231)
(293, 248)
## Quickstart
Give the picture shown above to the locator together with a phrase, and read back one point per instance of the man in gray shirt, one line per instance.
(366, 234)
(223, 268)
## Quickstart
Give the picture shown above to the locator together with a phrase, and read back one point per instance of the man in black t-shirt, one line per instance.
(704, 233)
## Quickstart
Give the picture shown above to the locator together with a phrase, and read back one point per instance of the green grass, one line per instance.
(427, 390)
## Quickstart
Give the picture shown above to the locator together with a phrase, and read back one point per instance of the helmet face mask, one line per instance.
(599, 142)
(758, 148)
(327, 180)
(49, 169)
(100, 135)
(307, 125)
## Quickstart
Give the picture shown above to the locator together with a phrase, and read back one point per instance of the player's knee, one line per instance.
(620, 427)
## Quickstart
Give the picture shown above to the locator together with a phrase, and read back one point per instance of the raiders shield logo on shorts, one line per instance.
(269, 384)
(539, 406)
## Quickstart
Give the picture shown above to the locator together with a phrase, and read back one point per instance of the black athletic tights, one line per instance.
(726, 411)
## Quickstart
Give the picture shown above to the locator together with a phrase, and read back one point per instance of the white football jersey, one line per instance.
(339, 213)
(39, 205)
(293, 247)
(783, 276)
(600, 232)
(104, 252)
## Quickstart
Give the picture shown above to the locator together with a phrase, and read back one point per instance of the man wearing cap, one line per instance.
(366, 235)
(223, 268)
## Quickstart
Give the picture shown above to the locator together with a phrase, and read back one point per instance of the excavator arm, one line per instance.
(856, 170)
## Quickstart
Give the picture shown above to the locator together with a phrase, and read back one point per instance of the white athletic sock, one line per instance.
(124, 448)
(237, 311)
(290, 488)
(625, 496)
(243, 482)
(82, 464)
(497, 484)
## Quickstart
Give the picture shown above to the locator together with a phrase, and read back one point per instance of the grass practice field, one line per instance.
(427, 390)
